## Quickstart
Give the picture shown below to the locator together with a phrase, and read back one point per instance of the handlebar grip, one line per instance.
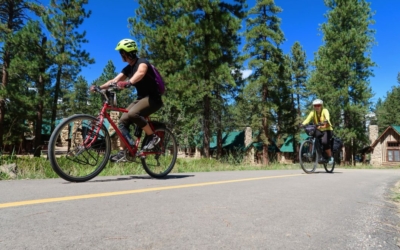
(97, 89)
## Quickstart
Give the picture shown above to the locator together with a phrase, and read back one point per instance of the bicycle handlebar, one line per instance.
(318, 124)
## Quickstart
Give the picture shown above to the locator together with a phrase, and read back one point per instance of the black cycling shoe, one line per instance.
(120, 157)
(152, 142)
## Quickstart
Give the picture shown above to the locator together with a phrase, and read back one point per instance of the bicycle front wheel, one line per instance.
(308, 157)
(330, 167)
(79, 148)
(160, 163)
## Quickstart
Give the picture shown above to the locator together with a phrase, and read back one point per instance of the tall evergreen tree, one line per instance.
(343, 67)
(189, 44)
(263, 37)
(63, 20)
(300, 73)
(78, 98)
(13, 15)
(299, 67)
(388, 111)
(284, 113)
(31, 63)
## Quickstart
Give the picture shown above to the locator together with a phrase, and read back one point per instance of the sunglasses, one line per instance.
(318, 105)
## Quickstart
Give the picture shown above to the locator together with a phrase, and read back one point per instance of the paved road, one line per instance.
(221, 210)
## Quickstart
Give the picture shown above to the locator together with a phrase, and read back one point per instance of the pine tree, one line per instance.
(343, 67)
(300, 73)
(299, 67)
(63, 20)
(194, 44)
(31, 63)
(263, 37)
(284, 112)
(78, 98)
(13, 15)
(388, 112)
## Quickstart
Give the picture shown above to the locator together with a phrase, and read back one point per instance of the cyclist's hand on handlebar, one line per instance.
(94, 88)
(123, 84)
(322, 124)
(301, 125)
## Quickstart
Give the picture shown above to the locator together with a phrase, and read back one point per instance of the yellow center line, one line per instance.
(89, 196)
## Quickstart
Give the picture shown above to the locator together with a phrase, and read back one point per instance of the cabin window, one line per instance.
(393, 144)
(393, 155)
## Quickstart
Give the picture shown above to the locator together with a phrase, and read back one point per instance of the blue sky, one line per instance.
(300, 22)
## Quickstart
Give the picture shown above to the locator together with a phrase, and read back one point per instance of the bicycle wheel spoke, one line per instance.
(163, 159)
(82, 149)
(307, 157)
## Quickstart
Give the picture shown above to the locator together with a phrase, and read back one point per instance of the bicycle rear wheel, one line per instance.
(160, 163)
(78, 148)
(308, 157)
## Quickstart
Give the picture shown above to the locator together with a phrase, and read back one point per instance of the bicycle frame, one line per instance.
(316, 146)
(105, 115)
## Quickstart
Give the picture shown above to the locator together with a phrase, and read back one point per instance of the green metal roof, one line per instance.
(259, 147)
(46, 126)
(229, 140)
(396, 127)
(288, 144)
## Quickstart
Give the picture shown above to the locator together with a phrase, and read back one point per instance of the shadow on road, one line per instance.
(136, 178)
(324, 172)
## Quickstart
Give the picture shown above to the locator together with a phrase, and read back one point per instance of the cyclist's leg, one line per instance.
(325, 140)
(143, 108)
(123, 126)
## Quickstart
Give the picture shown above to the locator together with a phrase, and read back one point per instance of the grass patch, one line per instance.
(29, 167)
(396, 193)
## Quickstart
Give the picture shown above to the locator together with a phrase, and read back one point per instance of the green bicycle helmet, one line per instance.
(128, 45)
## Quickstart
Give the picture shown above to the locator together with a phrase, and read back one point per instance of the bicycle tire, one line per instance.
(308, 157)
(330, 167)
(82, 155)
(160, 164)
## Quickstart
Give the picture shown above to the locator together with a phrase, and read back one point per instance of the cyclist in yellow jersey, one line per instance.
(321, 115)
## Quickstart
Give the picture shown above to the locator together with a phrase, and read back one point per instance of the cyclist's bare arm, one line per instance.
(119, 77)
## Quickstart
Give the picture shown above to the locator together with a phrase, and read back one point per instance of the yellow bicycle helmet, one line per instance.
(128, 45)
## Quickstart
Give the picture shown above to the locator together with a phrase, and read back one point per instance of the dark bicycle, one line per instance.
(311, 151)
(86, 145)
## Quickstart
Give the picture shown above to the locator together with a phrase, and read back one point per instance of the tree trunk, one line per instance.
(265, 129)
(39, 117)
(4, 82)
(55, 100)
(206, 126)
(219, 131)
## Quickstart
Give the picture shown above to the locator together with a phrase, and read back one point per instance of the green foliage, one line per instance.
(388, 111)
(343, 67)
(299, 67)
(13, 16)
(270, 71)
(63, 20)
(194, 44)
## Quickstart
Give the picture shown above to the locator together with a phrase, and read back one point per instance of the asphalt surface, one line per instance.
(349, 209)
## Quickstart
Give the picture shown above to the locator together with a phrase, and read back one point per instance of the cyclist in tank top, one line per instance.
(137, 73)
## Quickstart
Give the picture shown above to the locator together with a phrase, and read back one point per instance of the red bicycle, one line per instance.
(80, 146)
